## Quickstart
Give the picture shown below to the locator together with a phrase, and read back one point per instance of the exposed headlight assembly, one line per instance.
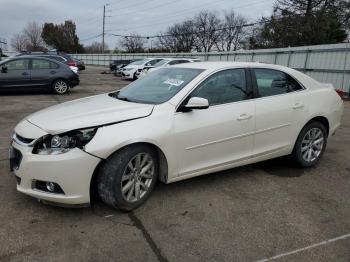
(62, 143)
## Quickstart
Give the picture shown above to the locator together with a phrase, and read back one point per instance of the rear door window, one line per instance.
(39, 64)
(273, 82)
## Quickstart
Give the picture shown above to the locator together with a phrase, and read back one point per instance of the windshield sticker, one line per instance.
(174, 82)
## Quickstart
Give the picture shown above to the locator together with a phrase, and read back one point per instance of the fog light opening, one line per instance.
(47, 186)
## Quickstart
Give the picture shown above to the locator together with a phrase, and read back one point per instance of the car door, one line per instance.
(222, 135)
(15, 74)
(276, 110)
(43, 72)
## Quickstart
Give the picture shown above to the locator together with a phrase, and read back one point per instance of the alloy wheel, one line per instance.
(61, 87)
(312, 144)
(137, 177)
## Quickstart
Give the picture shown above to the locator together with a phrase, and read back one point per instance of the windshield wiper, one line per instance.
(123, 98)
(117, 96)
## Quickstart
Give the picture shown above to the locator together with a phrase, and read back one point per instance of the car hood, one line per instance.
(87, 112)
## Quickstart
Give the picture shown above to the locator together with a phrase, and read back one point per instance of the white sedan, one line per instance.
(164, 63)
(176, 123)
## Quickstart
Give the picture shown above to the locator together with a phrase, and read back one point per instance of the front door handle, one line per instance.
(25, 74)
(244, 117)
(298, 106)
(53, 72)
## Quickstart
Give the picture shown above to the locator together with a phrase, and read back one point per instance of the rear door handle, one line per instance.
(25, 74)
(298, 106)
(244, 117)
(53, 72)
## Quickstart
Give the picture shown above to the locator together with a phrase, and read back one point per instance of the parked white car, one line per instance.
(176, 123)
(164, 63)
(131, 70)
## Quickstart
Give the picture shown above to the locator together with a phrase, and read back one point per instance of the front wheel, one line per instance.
(128, 177)
(310, 144)
(60, 87)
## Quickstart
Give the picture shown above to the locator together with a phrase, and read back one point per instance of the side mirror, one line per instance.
(3, 69)
(196, 103)
(148, 64)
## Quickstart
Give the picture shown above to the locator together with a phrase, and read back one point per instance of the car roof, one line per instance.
(32, 57)
(222, 65)
(178, 58)
(210, 67)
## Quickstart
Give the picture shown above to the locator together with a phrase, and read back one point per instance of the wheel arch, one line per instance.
(162, 162)
(59, 78)
(321, 119)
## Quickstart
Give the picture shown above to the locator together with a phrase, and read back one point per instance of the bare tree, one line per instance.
(95, 47)
(32, 32)
(233, 33)
(19, 42)
(207, 24)
(133, 43)
(179, 37)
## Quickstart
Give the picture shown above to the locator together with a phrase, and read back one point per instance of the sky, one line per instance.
(145, 17)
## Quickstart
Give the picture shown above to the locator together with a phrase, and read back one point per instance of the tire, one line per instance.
(117, 174)
(134, 77)
(307, 152)
(60, 87)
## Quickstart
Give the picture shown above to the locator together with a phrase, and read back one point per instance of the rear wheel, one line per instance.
(60, 87)
(128, 177)
(310, 144)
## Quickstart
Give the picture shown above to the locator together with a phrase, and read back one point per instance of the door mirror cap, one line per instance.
(197, 103)
(3, 69)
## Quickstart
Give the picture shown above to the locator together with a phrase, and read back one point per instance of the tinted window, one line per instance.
(223, 87)
(153, 62)
(272, 82)
(38, 64)
(20, 64)
(162, 62)
(183, 61)
(174, 62)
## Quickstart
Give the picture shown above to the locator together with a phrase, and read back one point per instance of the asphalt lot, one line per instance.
(243, 214)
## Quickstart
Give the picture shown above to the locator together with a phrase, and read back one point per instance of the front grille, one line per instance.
(16, 158)
(23, 139)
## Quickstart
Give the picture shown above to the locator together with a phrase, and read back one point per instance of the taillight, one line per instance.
(340, 93)
(72, 63)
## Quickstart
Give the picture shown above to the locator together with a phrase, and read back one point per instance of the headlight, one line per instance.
(62, 143)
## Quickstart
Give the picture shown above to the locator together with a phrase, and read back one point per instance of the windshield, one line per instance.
(159, 86)
(138, 62)
(160, 63)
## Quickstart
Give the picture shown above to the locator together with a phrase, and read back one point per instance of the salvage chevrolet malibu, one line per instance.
(176, 123)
